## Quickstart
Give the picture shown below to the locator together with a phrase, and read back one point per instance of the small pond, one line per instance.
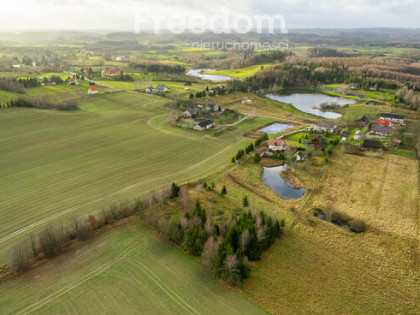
(310, 103)
(275, 128)
(271, 177)
(198, 73)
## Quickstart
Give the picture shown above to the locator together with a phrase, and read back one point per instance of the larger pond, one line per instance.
(310, 103)
(198, 73)
(271, 177)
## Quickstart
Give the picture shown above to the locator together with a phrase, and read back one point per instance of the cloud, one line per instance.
(121, 14)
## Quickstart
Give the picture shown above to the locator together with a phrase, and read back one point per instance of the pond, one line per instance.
(198, 73)
(275, 128)
(310, 103)
(271, 177)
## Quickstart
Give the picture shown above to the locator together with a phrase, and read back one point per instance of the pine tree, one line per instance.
(224, 190)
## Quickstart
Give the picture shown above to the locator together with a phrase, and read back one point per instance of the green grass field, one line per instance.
(125, 271)
(55, 165)
(239, 73)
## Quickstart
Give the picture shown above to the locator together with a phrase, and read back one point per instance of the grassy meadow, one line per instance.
(320, 268)
(126, 270)
(55, 165)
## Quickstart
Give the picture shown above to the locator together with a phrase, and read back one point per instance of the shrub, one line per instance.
(357, 226)
(51, 241)
(21, 256)
(223, 191)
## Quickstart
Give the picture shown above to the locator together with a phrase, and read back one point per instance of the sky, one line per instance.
(184, 15)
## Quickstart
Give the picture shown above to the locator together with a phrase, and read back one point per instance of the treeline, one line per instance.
(55, 239)
(241, 152)
(407, 97)
(29, 82)
(324, 52)
(42, 103)
(11, 85)
(158, 68)
(225, 248)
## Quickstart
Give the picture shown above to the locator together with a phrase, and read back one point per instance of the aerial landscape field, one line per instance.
(252, 169)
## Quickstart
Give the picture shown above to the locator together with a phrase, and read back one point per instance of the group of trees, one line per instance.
(158, 68)
(409, 98)
(249, 148)
(42, 103)
(29, 82)
(225, 248)
(11, 85)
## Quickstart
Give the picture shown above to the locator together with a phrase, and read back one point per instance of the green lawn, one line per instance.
(54, 165)
(125, 271)
(407, 153)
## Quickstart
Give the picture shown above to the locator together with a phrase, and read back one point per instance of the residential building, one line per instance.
(325, 126)
(393, 118)
(276, 145)
(93, 89)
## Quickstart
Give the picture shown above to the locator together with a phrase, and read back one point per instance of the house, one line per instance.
(382, 131)
(161, 88)
(93, 89)
(203, 124)
(109, 73)
(362, 121)
(393, 118)
(73, 81)
(214, 91)
(211, 108)
(396, 142)
(358, 135)
(299, 156)
(383, 122)
(190, 112)
(353, 86)
(276, 145)
(150, 89)
(318, 142)
(86, 70)
(325, 126)
(246, 101)
(338, 130)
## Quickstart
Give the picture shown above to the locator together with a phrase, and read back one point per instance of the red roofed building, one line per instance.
(73, 81)
(109, 72)
(93, 89)
(383, 122)
(276, 145)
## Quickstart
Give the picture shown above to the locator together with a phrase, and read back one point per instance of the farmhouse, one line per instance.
(109, 73)
(211, 108)
(358, 135)
(276, 145)
(393, 118)
(318, 142)
(161, 88)
(203, 124)
(383, 122)
(190, 112)
(382, 131)
(73, 81)
(214, 91)
(86, 70)
(299, 156)
(93, 89)
(325, 126)
(338, 130)
(149, 89)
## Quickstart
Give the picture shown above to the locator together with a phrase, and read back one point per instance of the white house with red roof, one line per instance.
(73, 81)
(276, 145)
(93, 89)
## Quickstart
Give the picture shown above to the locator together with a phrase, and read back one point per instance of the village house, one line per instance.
(325, 126)
(93, 89)
(382, 131)
(86, 70)
(161, 88)
(214, 91)
(73, 81)
(338, 130)
(353, 86)
(276, 145)
(299, 156)
(203, 124)
(392, 118)
(190, 112)
(211, 108)
(109, 73)
(383, 122)
(318, 142)
(358, 135)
